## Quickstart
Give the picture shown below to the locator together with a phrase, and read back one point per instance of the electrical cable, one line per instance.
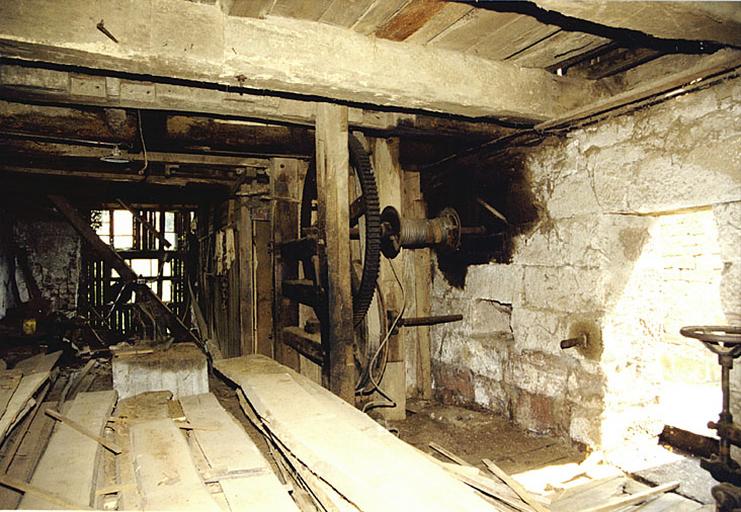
(144, 146)
(389, 401)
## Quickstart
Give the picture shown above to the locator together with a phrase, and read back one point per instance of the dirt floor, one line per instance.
(472, 435)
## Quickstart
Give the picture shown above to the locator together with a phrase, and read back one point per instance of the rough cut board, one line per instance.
(165, 472)
(9, 380)
(365, 463)
(69, 465)
(38, 363)
(28, 385)
(228, 448)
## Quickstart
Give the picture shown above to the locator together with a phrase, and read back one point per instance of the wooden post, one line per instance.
(385, 154)
(246, 285)
(286, 186)
(332, 166)
(415, 207)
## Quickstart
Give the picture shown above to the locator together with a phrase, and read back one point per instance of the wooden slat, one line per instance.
(69, 465)
(301, 9)
(165, 472)
(388, 475)
(378, 13)
(409, 19)
(9, 380)
(228, 449)
(345, 13)
(248, 8)
(39, 363)
(513, 33)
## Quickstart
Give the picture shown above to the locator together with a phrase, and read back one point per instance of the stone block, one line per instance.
(541, 414)
(491, 394)
(494, 282)
(539, 373)
(453, 385)
(182, 370)
(537, 330)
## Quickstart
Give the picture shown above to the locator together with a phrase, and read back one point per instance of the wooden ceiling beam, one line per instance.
(198, 43)
(702, 21)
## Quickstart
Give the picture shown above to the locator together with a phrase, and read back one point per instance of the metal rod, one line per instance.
(416, 321)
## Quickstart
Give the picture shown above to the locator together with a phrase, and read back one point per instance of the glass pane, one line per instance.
(122, 222)
(166, 291)
(167, 269)
(122, 241)
(172, 238)
(144, 267)
(103, 221)
(169, 222)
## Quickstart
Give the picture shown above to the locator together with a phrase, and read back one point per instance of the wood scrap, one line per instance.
(515, 486)
(113, 447)
(73, 451)
(390, 475)
(633, 499)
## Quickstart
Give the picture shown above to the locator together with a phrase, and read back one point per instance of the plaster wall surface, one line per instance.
(638, 234)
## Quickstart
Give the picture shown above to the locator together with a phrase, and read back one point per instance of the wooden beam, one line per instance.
(332, 171)
(709, 21)
(241, 53)
(58, 87)
(307, 344)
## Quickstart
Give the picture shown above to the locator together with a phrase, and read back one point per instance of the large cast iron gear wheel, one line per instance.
(366, 206)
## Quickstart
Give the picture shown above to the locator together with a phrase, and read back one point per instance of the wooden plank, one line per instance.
(332, 179)
(412, 17)
(390, 475)
(43, 495)
(40, 363)
(9, 380)
(243, 56)
(248, 8)
(345, 13)
(76, 453)
(300, 9)
(165, 471)
(229, 449)
(379, 13)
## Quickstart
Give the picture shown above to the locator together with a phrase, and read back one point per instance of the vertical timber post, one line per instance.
(285, 187)
(332, 166)
(385, 154)
(246, 285)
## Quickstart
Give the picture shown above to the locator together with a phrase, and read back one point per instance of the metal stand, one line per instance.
(725, 341)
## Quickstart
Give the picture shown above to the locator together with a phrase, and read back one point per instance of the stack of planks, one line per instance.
(338, 458)
(21, 387)
(189, 454)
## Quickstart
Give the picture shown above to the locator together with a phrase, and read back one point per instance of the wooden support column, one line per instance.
(246, 284)
(332, 166)
(285, 179)
(385, 155)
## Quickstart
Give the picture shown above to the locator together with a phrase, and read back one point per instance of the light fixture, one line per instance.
(116, 157)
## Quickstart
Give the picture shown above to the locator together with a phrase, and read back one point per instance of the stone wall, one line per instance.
(53, 251)
(7, 298)
(638, 234)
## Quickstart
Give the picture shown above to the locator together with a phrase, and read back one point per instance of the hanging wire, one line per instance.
(389, 402)
(144, 146)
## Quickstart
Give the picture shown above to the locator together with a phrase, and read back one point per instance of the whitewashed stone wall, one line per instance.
(639, 233)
